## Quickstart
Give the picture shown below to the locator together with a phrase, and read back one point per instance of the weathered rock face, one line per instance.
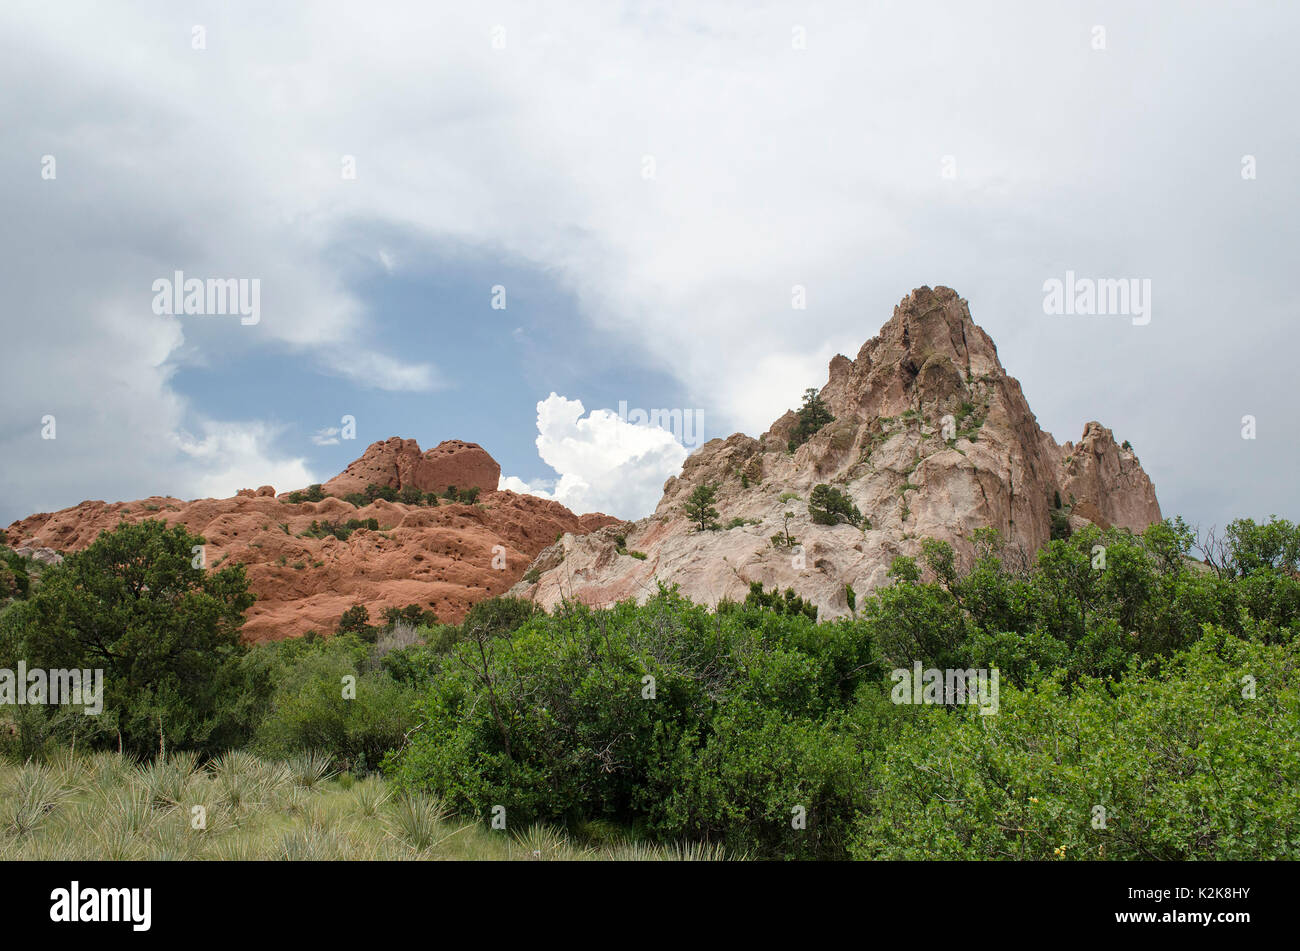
(931, 438)
(444, 558)
(396, 463)
(45, 556)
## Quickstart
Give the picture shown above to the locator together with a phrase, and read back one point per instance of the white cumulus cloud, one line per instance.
(605, 463)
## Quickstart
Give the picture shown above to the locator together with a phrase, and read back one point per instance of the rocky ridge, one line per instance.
(931, 439)
(444, 558)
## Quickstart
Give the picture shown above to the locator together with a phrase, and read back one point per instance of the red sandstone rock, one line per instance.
(444, 558)
(397, 463)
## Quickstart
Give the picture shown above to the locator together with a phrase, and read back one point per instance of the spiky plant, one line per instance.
(34, 792)
(308, 769)
(545, 843)
(370, 796)
(416, 820)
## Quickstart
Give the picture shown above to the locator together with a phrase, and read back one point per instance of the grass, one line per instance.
(104, 806)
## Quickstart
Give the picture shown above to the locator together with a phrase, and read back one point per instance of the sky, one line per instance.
(500, 222)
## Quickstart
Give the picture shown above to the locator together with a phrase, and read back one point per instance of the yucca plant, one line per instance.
(695, 852)
(115, 843)
(370, 796)
(544, 843)
(237, 848)
(175, 840)
(311, 845)
(416, 820)
(308, 769)
(33, 793)
(166, 782)
(106, 770)
(129, 808)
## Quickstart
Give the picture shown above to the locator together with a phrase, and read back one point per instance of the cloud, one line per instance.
(774, 166)
(228, 457)
(378, 371)
(329, 436)
(605, 464)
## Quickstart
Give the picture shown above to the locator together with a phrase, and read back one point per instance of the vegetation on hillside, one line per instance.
(810, 418)
(1146, 707)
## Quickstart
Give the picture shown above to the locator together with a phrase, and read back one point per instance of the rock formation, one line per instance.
(396, 463)
(444, 558)
(930, 438)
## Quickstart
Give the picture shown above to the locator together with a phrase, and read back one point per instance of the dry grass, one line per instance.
(104, 806)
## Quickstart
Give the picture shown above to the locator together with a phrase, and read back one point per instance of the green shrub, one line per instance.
(330, 699)
(558, 723)
(829, 506)
(811, 417)
(356, 620)
(772, 600)
(1163, 767)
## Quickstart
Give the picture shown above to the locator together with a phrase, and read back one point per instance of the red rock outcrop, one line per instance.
(444, 558)
(396, 463)
(931, 439)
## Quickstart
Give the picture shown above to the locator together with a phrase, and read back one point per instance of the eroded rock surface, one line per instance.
(444, 558)
(929, 374)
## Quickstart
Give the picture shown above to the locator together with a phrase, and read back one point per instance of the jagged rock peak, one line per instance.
(930, 438)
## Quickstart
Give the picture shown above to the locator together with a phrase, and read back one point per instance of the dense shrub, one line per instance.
(331, 695)
(1133, 679)
(775, 735)
(385, 492)
(340, 530)
(789, 603)
(558, 721)
(1184, 765)
(313, 493)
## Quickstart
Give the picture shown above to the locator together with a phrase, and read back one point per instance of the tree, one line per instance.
(139, 605)
(699, 507)
(356, 620)
(1272, 547)
(412, 613)
(811, 417)
(785, 540)
(829, 506)
(385, 492)
(410, 495)
(789, 603)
